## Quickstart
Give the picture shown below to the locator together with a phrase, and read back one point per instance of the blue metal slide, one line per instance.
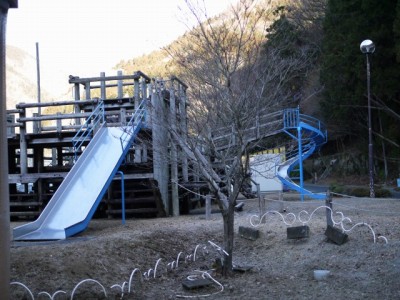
(309, 135)
(75, 201)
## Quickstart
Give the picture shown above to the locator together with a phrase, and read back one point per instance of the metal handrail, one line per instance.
(293, 117)
(84, 133)
(135, 123)
(260, 127)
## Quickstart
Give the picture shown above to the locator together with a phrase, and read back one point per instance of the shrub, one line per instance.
(358, 192)
(382, 193)
(337, 188)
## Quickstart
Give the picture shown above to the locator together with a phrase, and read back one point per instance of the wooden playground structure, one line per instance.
(156, 173)
(40, 145)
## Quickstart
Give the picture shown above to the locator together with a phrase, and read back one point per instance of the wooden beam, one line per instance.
(26, 178)
(136, 75)
(56, 103)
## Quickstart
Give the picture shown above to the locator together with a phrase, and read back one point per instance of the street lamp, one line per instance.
(368, 47)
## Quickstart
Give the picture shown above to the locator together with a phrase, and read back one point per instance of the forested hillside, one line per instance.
(344, 76)
(331, 85)
(312, 50)
(292, 44)
(21, 76)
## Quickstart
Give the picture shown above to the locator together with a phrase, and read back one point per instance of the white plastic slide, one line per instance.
(75, 201)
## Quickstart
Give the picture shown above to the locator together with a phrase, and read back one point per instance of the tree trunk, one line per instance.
(228, 217)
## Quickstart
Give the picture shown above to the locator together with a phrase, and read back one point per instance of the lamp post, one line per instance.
(368, 47)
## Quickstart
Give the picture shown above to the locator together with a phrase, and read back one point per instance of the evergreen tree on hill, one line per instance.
(344, 75)
(347, 24)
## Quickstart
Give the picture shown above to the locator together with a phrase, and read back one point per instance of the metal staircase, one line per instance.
(309, 135)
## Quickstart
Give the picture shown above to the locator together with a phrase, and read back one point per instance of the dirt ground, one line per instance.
(167, 251)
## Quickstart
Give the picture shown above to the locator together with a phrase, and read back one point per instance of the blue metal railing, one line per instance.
(292, 119)
(135, 123)
(86, 130)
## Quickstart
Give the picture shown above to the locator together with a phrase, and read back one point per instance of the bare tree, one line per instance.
(233, 82)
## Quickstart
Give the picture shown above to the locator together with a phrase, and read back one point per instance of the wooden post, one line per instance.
(10, 130)
(87, 90)
(60, 158)
(174, 154)
(59, 123)
(120, 86)
(103, 86)
(261, 203)
(183, 124)
(138, 154)
(40, 192)
(109, 199)
(136, 92)
(4, 187)
(38, 158)
(36, 124)
(145, 97)
(160, 148)
(77, 96)
(144, 88)
(39, 164)
(122, 115)
(53, 156)
(77, 92)
(23, 148)
(328, 203)
(208, 207)
(144, 156)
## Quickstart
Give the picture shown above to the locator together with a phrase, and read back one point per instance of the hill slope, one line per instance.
(22, 81)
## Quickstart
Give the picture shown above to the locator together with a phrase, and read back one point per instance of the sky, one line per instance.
(86, 37)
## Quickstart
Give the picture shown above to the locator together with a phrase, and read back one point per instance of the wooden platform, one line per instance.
(41, 152)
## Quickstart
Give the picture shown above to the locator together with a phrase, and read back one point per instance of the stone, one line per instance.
(249, 233)
(298, 232)
(196, 283)
(335, 235)
(241, 269)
